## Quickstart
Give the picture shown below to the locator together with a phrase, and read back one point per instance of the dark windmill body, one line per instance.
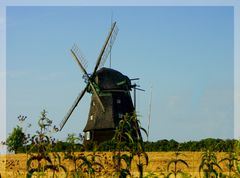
(110, 91)
(116, 99)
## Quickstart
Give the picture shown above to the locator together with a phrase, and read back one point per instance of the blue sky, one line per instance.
(184, 53)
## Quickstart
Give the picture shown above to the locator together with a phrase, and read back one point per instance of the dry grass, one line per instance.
(14, 165)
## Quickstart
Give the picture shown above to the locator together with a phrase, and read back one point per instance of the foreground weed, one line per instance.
(128, 145)
(209, 165)
(176, 171)
(150, 175)
(84, 165)
(230, 162)
(40, 160)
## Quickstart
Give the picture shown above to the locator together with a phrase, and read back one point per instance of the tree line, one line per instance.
(19, 142)
(216, 145)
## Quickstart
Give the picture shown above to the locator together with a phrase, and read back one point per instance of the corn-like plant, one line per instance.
(175, 161)
(122, 138)
(90, 164)
(209, 165)
(128, 139)
(84, 165)
(230, 162)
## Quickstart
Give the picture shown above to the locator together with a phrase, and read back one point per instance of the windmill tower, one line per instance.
(110, 91)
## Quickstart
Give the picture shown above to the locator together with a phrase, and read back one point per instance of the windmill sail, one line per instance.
(104, 52)
(108, 47)
(80, 55)
(77, 100)
(78, 59)
(88, 78)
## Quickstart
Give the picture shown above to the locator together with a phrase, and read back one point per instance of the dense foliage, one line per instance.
(16, 140)
(218, 145)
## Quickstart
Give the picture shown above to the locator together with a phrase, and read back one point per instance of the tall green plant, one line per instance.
(128, 145)
(176, 171)
(40, 159)
(230, 162)
(209, 164)
(84, 165)
(69, 154)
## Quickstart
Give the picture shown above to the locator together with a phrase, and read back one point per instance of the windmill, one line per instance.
(110, 91)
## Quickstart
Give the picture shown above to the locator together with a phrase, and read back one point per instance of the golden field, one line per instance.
(14, 165)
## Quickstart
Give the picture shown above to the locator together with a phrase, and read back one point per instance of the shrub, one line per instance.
(16, 140)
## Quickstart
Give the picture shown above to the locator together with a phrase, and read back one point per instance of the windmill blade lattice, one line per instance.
(109, 46)
(80, 56)
(103, 51)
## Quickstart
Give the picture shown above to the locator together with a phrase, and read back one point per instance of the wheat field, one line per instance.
(14, 165)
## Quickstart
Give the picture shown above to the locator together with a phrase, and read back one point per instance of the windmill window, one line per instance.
(93, 104)
(120, 115)
(88, 135)
(118, 101)
(91, 117)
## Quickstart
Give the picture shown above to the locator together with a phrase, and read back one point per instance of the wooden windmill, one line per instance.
(110, 91)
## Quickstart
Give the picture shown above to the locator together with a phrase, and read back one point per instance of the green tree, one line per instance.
(16, 140)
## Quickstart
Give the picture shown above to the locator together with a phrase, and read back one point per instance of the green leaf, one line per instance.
(129, 136)
(238, 168)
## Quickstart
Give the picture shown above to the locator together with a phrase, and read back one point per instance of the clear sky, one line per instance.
(185, 53)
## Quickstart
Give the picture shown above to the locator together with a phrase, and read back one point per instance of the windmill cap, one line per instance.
(110, 79)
